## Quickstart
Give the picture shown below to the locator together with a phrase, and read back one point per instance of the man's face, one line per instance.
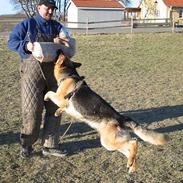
(45, 11)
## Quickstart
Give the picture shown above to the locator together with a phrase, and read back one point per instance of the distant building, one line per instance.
(82, 11)
(162, 9)
(130, 12)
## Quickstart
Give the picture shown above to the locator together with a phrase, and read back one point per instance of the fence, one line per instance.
(121, 25)
(112, 26)
(165, 22)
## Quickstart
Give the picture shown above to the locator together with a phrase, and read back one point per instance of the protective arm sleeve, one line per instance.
(71, 49)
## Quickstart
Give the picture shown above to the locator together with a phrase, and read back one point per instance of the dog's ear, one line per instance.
(69, 63)
(61, 58)
(76, 64)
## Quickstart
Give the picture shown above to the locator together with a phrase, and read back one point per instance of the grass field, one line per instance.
(141, 75)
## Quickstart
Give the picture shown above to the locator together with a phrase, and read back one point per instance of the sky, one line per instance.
(135, 3)
(7, 8)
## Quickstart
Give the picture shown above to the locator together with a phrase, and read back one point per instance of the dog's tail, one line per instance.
(144, 133)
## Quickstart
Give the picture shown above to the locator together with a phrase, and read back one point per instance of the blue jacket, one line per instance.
(19, 38)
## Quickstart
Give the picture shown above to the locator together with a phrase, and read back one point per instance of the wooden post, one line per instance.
(173, 24)
(131, 24)
(87, 25)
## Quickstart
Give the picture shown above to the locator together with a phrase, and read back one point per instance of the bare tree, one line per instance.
(29, 6)
(151, 7)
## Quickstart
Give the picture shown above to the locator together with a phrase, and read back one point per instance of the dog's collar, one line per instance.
(77, 87)
(79, 82)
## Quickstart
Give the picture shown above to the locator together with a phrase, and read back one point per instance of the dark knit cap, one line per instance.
(48, 3)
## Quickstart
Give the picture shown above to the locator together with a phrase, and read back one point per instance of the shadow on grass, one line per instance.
(9, 138)
(74, 147)
(158, 114)
(155, 114)
(80, 129)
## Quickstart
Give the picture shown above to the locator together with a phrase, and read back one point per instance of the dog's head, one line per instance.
(64, 61)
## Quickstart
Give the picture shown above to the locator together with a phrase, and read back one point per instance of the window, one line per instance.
(181, 13)
(158, 13)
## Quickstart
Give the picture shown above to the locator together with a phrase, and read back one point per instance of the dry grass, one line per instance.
(140, 75)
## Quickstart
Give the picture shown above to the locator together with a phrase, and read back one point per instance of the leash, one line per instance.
(66, 130)
(68, 96)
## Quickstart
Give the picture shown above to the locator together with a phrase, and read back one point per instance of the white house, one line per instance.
(161, 9)
(81, 12)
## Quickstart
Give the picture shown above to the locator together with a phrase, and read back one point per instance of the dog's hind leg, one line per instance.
(130, 151)
(114, 138)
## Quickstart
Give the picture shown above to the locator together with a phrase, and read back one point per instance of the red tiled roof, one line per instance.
(177, 3)
(98, 3)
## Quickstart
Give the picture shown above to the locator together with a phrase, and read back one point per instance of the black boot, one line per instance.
(26, 152)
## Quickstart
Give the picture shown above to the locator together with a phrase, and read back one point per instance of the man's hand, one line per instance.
(70, 49)
(30, 46)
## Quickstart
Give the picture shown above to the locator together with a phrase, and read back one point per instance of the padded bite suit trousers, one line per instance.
(33, 88)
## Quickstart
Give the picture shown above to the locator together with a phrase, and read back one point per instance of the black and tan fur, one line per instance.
(78, 100)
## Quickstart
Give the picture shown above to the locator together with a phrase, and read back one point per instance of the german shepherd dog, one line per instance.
(77, 99)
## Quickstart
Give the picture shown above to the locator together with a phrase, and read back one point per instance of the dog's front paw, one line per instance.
(46, 97)
(58, 112)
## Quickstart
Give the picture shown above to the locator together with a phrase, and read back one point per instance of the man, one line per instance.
(37, 78)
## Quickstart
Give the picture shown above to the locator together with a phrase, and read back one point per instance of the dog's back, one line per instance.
(92, 106)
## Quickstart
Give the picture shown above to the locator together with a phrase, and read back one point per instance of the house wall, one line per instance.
(168, 12)
(85, 15)
(72, 16)
(162, 11)
(97, 15)
(177, 14)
